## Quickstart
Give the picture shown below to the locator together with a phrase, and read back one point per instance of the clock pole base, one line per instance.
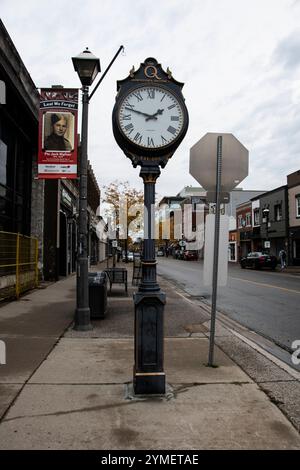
(149, 384)
(148, 371)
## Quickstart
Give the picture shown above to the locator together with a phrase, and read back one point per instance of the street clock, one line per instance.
(150, 118)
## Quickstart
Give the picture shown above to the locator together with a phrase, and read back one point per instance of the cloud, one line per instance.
(238, 60)
(287, 53)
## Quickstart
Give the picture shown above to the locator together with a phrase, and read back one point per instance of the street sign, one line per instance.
(181, 243)
(114, 243)
(209, 250)
(267, 244)
(203, 163)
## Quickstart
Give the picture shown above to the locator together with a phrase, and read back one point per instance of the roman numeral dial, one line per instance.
(151, 116)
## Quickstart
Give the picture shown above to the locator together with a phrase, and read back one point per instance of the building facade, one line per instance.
(244, 228)
(18, 142)
(21, 214)
(293, 183)
(32, 209)
(194, 201)
(170, 224)
(238, 196)
(61, 224)
(256, 222)
(274, 220)
(262, 223)
(233, 246)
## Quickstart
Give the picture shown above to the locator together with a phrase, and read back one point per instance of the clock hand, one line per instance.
(153, 116)
(143, 114)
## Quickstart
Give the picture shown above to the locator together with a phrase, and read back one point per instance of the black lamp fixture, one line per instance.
(87, 66)
(266, 212)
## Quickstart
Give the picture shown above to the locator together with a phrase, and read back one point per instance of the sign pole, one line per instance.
(216, 254)
(232, 164)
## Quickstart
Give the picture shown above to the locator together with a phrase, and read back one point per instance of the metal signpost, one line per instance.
(216, 254)
(219, 162)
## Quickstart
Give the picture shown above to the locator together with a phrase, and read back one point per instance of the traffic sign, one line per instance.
(209, 250)
(203, 163)
(219, 162)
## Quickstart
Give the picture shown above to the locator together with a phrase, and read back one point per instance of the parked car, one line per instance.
(190, 255)
(258, 260)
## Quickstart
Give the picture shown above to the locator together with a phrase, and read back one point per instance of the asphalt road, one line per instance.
(263, 301)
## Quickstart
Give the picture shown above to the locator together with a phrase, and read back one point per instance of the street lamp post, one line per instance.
(266, 213)
(87, 66)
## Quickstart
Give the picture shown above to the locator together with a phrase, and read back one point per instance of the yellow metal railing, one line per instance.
(18, 264)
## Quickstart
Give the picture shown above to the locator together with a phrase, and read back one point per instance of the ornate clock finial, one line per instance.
(131, 72)
(169, 73)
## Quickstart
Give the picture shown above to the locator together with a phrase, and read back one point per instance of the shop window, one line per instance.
(278, 212)
(240, 221)
(256, 217)
(298, 205)
(15, 179)
(248, 219)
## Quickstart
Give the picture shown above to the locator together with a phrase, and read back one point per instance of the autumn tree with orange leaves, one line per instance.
(124, 205)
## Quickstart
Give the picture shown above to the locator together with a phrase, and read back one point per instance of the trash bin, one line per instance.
(98, 294)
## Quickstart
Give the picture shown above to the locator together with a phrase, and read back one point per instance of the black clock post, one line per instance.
(149, 301)
(151, 153)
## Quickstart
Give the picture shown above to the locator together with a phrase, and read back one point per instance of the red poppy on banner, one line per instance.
(57, 156)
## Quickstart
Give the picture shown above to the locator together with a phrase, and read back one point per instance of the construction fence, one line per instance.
(18, 264)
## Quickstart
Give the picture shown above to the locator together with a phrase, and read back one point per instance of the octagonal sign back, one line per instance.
(203, 161)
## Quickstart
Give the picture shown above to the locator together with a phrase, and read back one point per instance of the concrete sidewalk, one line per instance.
(63, 389)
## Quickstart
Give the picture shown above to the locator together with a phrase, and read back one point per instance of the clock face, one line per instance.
(151, 117)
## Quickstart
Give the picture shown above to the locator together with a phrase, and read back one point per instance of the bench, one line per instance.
(117, 276)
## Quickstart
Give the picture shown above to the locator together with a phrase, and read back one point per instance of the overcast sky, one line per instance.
(239, 60)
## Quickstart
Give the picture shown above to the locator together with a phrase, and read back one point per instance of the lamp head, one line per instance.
(87, 66)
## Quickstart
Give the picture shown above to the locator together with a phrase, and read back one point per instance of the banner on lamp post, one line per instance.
(57, 156)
